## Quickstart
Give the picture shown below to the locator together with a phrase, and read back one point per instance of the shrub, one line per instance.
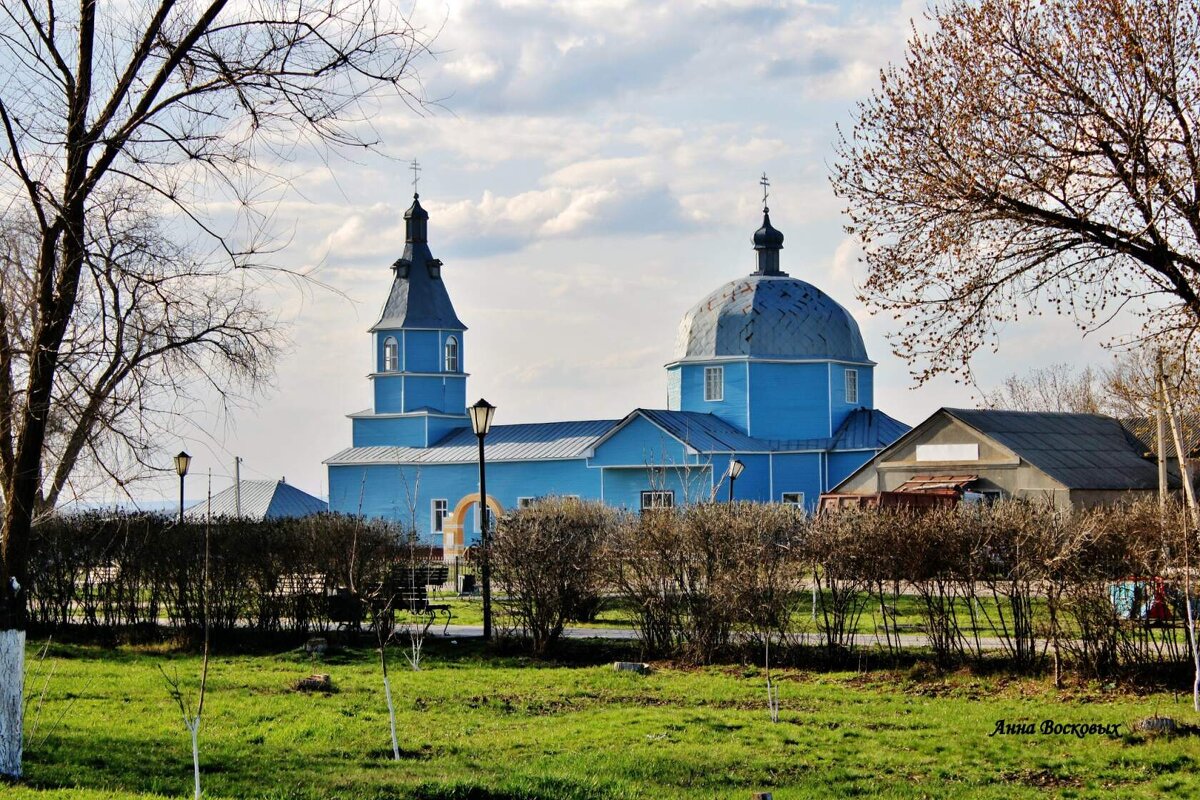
(547, 558)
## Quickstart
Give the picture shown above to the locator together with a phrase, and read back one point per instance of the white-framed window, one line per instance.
(851, 386)
(714, 383)
(391, 355)
(792, 499)
(441, 510)
(658, 498)
(452, 354)
(526, 502)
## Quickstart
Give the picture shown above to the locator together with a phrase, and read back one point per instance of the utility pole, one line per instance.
(237, 486)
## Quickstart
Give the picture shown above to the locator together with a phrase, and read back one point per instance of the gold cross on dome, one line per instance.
(766, 184)
(415, 167)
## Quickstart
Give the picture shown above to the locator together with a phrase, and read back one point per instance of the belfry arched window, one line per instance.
(391, 355)
(452, 354)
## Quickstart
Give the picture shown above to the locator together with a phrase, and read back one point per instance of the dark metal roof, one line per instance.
(867, 429)
(418, 298)
(1145, 430)
(528, 442)
(1080, 451)
(769, 316)
(260, 500)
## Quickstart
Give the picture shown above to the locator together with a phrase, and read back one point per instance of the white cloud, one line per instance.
(592, 174)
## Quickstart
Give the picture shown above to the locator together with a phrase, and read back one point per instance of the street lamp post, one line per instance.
(182, 461)
(481, 422)
(735, 469)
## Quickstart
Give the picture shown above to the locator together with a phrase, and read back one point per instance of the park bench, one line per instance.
(408, 586)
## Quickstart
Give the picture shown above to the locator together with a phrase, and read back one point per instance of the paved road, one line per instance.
(864, 640)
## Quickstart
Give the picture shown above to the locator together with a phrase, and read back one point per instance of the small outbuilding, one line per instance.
(1071, 460)
(258, 501)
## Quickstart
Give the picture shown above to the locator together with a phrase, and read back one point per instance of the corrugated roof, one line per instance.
(1080, 451)
(1145, 430)
(705, 433)
(867, 429)
(260, 500)
(768, 316)
(526, 442)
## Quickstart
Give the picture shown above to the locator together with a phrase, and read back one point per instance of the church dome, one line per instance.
(769, 316)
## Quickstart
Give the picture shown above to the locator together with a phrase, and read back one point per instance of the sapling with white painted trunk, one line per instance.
(192, 715)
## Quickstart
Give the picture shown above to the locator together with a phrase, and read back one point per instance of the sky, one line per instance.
(591, 170)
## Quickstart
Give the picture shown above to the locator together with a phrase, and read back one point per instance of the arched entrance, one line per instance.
(452, 526)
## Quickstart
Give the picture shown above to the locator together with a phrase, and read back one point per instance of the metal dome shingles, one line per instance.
(762, 316)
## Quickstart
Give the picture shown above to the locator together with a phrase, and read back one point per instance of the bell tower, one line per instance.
(418, 381)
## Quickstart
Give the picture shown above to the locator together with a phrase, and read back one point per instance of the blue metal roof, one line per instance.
(705, 433)
(769, 316)
(867, 429)
(526, 442)
(260, 500)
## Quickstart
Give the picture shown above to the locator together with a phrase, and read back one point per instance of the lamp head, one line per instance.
(735, 469)
(182, 461)
(481, 417)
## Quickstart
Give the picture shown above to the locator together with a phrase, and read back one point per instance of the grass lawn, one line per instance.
(506, 727)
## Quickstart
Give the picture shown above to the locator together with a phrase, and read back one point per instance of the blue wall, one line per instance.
(395, 492)
(799, 472)
(790, 401)
(623, 487)
(640, 443)
(841, 464)
(732, 408)
(840, 409)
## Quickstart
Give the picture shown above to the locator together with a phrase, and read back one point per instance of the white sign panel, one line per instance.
(947, 452)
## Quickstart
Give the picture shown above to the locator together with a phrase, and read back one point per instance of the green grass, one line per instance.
(507, 727)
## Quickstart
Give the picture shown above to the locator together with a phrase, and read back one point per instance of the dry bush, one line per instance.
(694, 575)
(641, 562)
(839, 558)
(548, 559)
(129, 569)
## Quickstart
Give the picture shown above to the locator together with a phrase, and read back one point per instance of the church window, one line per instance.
(452, 354)
(851, 386)
(391, 355)
(714, 383)
(526, 502)
(658, 499)
(792, 499)
(440, 512)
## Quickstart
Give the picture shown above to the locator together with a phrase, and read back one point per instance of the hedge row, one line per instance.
(1099, 590)
(124, 570)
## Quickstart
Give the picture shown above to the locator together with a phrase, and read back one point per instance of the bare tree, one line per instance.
(153, 327)
(1126, 388)
(1031, 154)
(179, 103)
(1058, 387)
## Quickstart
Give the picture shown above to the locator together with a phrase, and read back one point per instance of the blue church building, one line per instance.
(768, 370)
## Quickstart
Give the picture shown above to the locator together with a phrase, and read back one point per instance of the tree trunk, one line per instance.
(12, 680)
